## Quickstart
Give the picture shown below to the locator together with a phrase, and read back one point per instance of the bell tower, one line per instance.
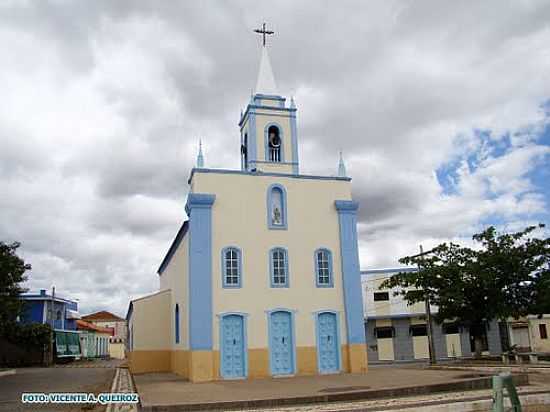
(269, 140)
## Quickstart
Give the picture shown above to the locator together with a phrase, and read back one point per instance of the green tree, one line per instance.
(507, 276)
(12, 274)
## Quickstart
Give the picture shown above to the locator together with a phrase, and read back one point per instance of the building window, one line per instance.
(279, 267)
(380, 296)
(384, 332)
(276, 207)
(58, 315)
(274, 144)
(450, 328)
(231, 267)
(323, 268)
(418, 330)
(177, 321)
(542, 330)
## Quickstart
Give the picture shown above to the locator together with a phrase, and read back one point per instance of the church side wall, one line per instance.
(175, 277)
(151, 334)
(312, 223)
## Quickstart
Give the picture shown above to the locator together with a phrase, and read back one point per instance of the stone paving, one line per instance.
(169, 389)
(411, 403)
(122, 384)
(160, 391)
(537, 393)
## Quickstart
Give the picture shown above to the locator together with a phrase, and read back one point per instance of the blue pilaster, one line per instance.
(199, 210)
(351, 276)
(252, 141)
(294, 139)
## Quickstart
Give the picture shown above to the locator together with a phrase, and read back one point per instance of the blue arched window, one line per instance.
(177, 321)
(276, 207)
(323, 268)
(278, 265)
(231, 267)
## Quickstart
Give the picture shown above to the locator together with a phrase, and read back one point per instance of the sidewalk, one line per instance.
(165, 391)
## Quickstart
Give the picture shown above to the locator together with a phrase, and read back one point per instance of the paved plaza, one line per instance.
(164, 389)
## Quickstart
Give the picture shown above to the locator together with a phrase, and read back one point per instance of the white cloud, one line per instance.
(103, 104)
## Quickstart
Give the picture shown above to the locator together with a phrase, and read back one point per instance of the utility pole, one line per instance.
(52, 317)
(431, 346)
(52, 336)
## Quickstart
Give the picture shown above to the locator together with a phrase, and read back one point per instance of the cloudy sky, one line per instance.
(442, 109)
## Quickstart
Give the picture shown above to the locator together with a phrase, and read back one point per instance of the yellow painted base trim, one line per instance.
(180, 363)
(204, 366)
(146, 361)
(306, 360)
(356, 358)
(201, 366)
(258, 363)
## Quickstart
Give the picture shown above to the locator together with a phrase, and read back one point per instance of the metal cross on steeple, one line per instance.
(263, 32)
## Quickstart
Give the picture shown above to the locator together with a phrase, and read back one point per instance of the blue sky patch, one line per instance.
(486, 147)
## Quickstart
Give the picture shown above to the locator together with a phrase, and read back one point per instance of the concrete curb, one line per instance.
(495, 369)
(466, 405)
(7, 373)
(113, 389)
(122, 383)
(364, 395)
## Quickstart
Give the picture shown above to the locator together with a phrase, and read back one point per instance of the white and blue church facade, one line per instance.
(263, 277)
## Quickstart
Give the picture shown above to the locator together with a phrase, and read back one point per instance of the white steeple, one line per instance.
(266, 80)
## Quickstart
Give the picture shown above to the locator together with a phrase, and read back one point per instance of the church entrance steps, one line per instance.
(168, 392)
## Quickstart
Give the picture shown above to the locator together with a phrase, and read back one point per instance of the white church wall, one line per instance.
(242, 221)
(149, 324)
(174, 277)
(275, 168)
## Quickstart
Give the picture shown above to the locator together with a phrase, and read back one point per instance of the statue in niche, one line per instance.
(276, 216)
(277, 209)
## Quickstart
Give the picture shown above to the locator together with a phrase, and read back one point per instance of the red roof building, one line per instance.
(102, 315)
(83, 325)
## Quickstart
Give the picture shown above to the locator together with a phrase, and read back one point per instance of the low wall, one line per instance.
(13, 355)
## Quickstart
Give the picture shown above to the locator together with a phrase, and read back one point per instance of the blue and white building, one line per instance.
(263, 278)
(41, 307)
(396, 331)
(60, 313)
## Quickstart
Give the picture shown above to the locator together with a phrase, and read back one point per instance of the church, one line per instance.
(262, 279)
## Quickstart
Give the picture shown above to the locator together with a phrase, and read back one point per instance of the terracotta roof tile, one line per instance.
(83, 325)
(102, 315)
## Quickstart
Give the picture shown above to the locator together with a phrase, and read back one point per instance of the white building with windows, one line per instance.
(530, 333)
(262, 279)
(396, 331)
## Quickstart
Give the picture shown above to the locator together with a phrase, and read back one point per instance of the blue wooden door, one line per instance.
(281, 345)
(327, 343)
(233, 347)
